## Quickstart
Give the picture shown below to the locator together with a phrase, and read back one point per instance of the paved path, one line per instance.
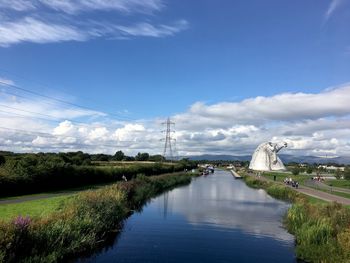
(315, 193)
(317, 184)
(322, 195)
(25, 198)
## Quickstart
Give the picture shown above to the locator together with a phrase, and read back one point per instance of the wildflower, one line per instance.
(21, 222)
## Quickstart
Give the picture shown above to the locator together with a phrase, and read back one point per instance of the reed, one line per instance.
(322, 231)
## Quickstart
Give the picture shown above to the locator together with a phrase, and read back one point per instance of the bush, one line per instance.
(295, 170)
(33, 173)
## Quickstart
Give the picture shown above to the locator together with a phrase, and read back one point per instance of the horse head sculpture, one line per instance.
(265, 157)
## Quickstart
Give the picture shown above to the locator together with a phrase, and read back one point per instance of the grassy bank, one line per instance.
(322, 230)
(81, 223)
(34, 208)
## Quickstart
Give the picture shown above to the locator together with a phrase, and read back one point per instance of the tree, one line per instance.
(142, 157)
(156, 158)
(347, 173)
(309, 170)
(2, 160)
(337, 173)
(295, 170)
(119, 156)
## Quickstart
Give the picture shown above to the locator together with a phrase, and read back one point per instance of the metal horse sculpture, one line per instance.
(265, 157)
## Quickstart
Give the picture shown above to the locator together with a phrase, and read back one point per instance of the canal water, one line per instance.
(214, 219)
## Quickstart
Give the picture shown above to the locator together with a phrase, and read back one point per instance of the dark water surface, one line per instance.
(214, 219)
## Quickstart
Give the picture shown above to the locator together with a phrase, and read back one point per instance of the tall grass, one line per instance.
(322, 231)
(82, 223)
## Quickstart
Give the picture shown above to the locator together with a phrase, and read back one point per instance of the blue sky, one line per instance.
(146, 60)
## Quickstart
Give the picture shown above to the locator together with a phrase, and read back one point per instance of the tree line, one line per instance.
(31, 173)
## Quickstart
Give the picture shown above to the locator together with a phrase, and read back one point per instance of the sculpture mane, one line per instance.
(265, 157)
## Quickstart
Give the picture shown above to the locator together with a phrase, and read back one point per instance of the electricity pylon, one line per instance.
(168, 149)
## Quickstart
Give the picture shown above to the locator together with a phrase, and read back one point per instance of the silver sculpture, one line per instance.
(265, 157)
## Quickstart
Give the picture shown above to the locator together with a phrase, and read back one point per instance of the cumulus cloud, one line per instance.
(51, 21)
(261, 110)
(311, 124)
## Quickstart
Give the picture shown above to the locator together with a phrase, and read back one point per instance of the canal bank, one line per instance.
(83, 223)
(322, 230)
(213, 219)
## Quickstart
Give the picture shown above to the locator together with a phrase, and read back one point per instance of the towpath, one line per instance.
(315, 193)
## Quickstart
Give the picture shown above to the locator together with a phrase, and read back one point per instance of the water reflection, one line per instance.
(225, 202)
(214, 219)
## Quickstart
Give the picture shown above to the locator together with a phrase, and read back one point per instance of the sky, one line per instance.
(101, 76)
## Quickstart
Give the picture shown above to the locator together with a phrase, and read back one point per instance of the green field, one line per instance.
(301, 178)
(35, 208)
(339, 183)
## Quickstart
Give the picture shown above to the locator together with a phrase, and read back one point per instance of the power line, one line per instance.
(5, 84)
(52, 118)
(46, 86)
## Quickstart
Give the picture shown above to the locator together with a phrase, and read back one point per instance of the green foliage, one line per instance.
(2, 159)
(338, 174)
(142, 157)
(156, 158)
(295, 170)
(81, 223)
(33, 173)
(322, 231)
(119, 156)
(309, 170)
(347, 173)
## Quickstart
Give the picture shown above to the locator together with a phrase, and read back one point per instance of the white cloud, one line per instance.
(51, 21)
(33, 30)
(311, 124)
(283, 107)
(5, 81)
(128, 132)
(89, 5)
(98, 133)
(63, 128)
(333, 6)
(75, 6)
(148, 30)
(18, 5)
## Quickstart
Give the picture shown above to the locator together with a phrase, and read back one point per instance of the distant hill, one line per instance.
(286, 158)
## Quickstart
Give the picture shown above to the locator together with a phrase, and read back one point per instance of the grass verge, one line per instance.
(83, 221)
(35, 208)
(322, 230)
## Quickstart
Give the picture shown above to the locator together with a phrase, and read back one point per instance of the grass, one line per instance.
(342, 183)
(71, 190)
(314, 200)
(322, 230)
(301, 178)
(35, 208)
(80, 222)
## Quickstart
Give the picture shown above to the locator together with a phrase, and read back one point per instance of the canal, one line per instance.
(214, 219)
